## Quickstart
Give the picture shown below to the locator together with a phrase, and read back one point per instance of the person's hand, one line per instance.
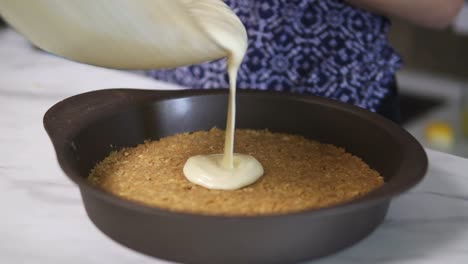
(436, 14)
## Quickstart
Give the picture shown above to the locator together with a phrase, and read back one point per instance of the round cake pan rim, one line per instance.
(380, 195)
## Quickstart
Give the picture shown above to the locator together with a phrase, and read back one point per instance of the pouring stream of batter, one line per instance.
(229, 170)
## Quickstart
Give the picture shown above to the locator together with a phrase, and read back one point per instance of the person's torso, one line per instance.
(325, 48)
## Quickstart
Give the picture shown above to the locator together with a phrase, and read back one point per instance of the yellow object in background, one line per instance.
(440, 135)
(464, 120)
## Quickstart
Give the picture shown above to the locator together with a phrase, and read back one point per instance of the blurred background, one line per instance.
(433, 83)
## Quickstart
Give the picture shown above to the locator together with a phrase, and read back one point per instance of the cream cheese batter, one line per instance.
(148, 34)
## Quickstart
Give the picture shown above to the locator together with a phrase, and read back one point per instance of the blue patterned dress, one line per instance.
(326, 48)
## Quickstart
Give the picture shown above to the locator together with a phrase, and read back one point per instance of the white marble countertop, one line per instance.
(43, 219)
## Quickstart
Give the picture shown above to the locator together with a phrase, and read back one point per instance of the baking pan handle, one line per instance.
(70, 115)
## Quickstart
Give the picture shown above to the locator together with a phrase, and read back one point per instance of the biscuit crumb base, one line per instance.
(300, 174)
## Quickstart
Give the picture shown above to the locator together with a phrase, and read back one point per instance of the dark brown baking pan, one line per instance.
(86, 127)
